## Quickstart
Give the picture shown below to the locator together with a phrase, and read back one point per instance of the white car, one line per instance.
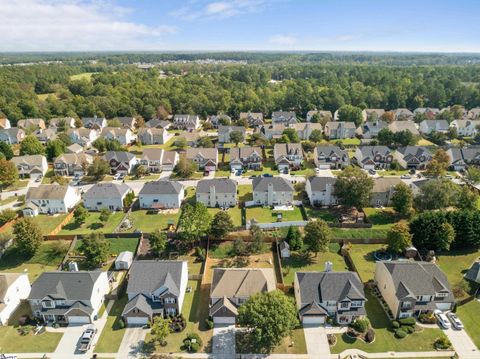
(317, 170)
(442, 319)
(405, 176)
(456, 322)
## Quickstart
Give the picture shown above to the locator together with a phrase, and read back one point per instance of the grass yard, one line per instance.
(117, 245)
(93, 223)
(222, 171)
(385, 340)
(12, 342)
(142, 220)
(424, 142)
(349, 141)
(359, 233)
(245, 193)
(320, 213)
(381, 218)
(234, 212)
(392, 172)
(468, 313)
(362, 257)
(224, 249)
(48, 258)
(83, 76)
(17, 185)
(112, 334)
(268, 215)
(11, 199)
(455, 263)
(285, 347)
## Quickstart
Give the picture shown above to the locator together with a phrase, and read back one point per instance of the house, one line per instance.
(337, 295)
(152, 136)
(426, 127)
(461, 158)
(221, 119)
(32, 124)
(192, 138)
(124, 260)
(106, 195)
(320, 191)
(156, 123)
(82, 136)
(12, 136)
(157, 160)
(372, 114)
(413, 288)
(383, 190)
(186, 122)
(272, 191)
(412, 157)
(33, 166)
(124, 136)
(466, 128)
(5, 123)
(339, 129)
(326, 157)
(403, 114)
(254, 119)
(370, 129)
(218, 192)
(120, 161)
(205, 158)
(50, 199)
(284, 117)
(43, 136)
(288, 156)
(473, 274)
(324, 116)
(127, 122)
(398, 126)
(371, 157)
(154, 288)
(273, 130)
(231, 287)
(161, 194)
(74, 148)
(305, 129)
(246, 158)
(474, 113)
(68, 297)
(14, 287)
(72, 164)
(430, 113)
(284, 248)
(66, 122)
(224, 133)
(94, 123)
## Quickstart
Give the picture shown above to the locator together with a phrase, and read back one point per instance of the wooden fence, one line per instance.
(64, 222)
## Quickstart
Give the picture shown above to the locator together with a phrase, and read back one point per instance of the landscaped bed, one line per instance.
(268, 215)
(93, 223)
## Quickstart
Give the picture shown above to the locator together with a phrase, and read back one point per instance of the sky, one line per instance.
(240, 25)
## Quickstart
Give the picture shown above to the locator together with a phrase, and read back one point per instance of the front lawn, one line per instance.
(234, 212)
(385, 340)
(469, 313)
(455, 263)
(267, 168)
(93, 223)
(293, 344)
(112, 334)
(268, 215)
(148, 222)
(12, 342)
(362, 257)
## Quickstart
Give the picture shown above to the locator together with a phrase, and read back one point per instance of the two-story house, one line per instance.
(82, 136)
(372, 114)
(161, 195)
(383, 190)
(462, 158)
(157, 123)
(320, 191)
(157, 160)
(412, 157)
(94, 123)
(120, 161)
(399, 126)
(339, 129)
(44, 136)
(466, 128)
(205, 158)
(14, 287)
(429, 112)
(220, 119)
(371, 157)
(288, 156)
(32, 124)
(305, 129)
(186, 122)
(127, 122)
(72, 164)
(12, 136)
(426, 127)
(217, 192)
(254, 119)
(403, 114)
(153, 136)
(370, 129)
(273, 131)
(272, 191)
(50, 199)
(33, 166)
(285, 117)
(106, 195)
(124, 136)
(246, 158)
(326, 157)
(224, 133)
(61, 122)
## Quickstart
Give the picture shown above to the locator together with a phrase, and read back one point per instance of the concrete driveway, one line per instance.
(463, 344)
(223, 341)
(67, 347)
(316, 340)
(132, 343)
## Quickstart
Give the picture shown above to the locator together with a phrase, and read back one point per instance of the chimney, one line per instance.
(328, 266)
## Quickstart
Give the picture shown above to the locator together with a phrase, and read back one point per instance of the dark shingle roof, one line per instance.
(107, 190)
(279, 184)
(222, 185)
(320, 183)
(161, 187)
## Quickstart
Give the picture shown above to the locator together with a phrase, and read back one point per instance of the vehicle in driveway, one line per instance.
(87, 339)
(456, 322)
(372, 172)
(442, 319)
(405, 176)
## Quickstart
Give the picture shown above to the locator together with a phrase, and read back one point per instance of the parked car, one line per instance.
(267, 175)
(38, 179)
(456, 322)
(372, 172)
(442, 319)
(405, 176)
(206, 173)
(317, 170)
(87, 339)
(116, 177)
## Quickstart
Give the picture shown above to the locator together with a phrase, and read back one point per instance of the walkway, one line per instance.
(316, 340)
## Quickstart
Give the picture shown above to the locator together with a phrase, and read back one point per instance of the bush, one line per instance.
(192, 343)
(409, 329)
(370, 336)
(442, 343)
(427, 318)
(360, 325)
(400, 333)
(407, 321)
(7, 215)
(209, 323)
(395, 324)
(121, 324)
(194, 347)
(200, 253)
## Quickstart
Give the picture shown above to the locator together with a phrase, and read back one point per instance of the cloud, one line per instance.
(72, 25)
(219, 9)
(284, 40)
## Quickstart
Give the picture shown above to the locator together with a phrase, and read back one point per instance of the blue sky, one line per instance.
(321, 25)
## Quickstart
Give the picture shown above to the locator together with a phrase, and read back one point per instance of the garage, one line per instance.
(136, 321)
(444, 306)
(78, 319)
(224, 320)
(324, 167)
(313, 319)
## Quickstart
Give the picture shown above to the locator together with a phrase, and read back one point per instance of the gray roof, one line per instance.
(64, 285)
(415, 152)
(227, 129)
(120, 156)
(241, 282)
(320, 183)
(29, 160)
(152, 154)
(279, 184)
(141, 303)
(206, 153)
(328, 150)
(47, 191)
(222, 185)
(473, 273)
(336, 124)
(156, 123)
(237, 153)
(384, 184)
(107, 190)
(287, 149)
(397, 126)
(161, 187)
(372, 151)
(436, 125)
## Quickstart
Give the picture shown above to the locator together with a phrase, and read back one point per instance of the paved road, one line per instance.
(463, 344)
(132, 343)
(223, 341)
(317, 342)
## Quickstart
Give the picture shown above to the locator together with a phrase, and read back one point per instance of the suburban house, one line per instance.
(156, 123)
(127, 122)
(74, 148)
(157, 160)
(161, 195)
(403, 114)
(95, 123)
(426, 127)
(5, 123)
(12, 136)
(412, 157)
(372, 114)
(218, 120)
(192, 138)
(383, 190)
(254, 119)
(72, 164)
(123, 135)
(285, 117)
(320, 191)
(106, 195)
(231, 287)
(305, 129)
(339, 129)
(473, 274)
(273, 130)
(32, 124)
(152, 136)
(217, 192)
(338, 295)
(50, 199)
(461, 158)
(413, 288)
(324, 116)
(430, 113)
(14, 287)
(68, 297)
(246, 158)
(370, 129)
(398, 126)
(67, 122)
(82, 136)
(44, 136)
(326, 157)
(154, 288)
(205, 158)
(120, 161)
(272, 191)
(224, 133)
(33, 166)
(474, 113)
(466, 128)
(371, 157)
(186, 122)
(288, 156)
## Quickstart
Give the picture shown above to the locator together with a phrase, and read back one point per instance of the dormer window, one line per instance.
(48, 304)
(441, 294)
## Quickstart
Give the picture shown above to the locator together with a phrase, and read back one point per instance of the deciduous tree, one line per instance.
(353, 187)
(158, 242)
(31, 146)
(95, 248)
(194, 222)
(317, 236)
(439, 163)
(402, 199)
(222, 224)
(8, 173)
(28, 236)
(399, 237)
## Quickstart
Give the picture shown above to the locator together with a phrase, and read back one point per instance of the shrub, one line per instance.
(427, 318)
(192, 342)
(370, 336)
(209, 323)
(361, 325)
(7, 215)
(200, 253)
(442, 343)
(400, 333)
(395, 324)
(121, 324)
(194, 347)
(409, 329)
(407, 321)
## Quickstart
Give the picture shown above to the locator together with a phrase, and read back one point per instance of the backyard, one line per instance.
(148, 222)
(48, 223)
(234, 212)
(320, 213)
(93, 223)
(359, 233)
(455, 263)
(362, 257)
(117, 245)
(268, 215)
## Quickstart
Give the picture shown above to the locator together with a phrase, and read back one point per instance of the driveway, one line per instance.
(224, 341)
(67, 347)
(316, 340)
(463, 344)
(132, 343)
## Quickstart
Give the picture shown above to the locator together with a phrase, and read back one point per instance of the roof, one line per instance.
(152, 154)
(286, 114)
(74, 158)
(241, 282)
(228, 129)
(436, 125)
(237, 153)
(287, 149)
(6, 280)
(225, 304)
(141, 303)
(397, 126)
(169, 157)
(115, 131)
(75, 148)
(415, 152)
(47, 191)
(328, 150)
(336, 124)
(156, 123)
(320, 183)
(279, 184)
(372, 151)
(29, 160)
(473, 273)
(251, 115)
(107, 190)
(207, 153)
(384, 184)
(161, 187)
(154, 131)
(222, 185)
(125, 256)
(120, 156)
(147, 276)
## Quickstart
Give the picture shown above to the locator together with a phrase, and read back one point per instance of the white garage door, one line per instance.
(224, 320)
(137, 320)
(78, 320)
(316, 319)
(444, 306)
(324, 167)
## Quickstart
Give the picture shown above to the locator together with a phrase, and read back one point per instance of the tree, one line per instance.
(185, 168)
(430, 230)
(8, 173)
(236, 137)
(258, 239)
(6, 150)
(353, 187)
(316, 136)
(98, 169)
(222, 224)
(399, 238)
(181, 143)
(55, 148)
(294, 238)
(205, 142)
(160, 329)
(128, 200)
(436, 194)
(308, 146)
(239, 248)
(385, 137)
(317, 236)
(466, 198)
(388, 116)
(140, 171)
(31, 146)
(350, 113)
(402, 199)
(158, 242)
(194, 222)
(95, 249)
(292, 135)
(404, 138)
(28, 236)
(472, 175)
(266, 324)
(105, 214)
(439, 163)
(80, 215)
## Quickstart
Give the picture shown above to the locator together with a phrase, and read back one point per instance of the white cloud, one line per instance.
(64, 25)
(219, 9)
(283, 40)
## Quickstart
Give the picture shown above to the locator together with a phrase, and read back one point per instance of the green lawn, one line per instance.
(308, 170)
(8, 200)
(267, 215)
(48, 223)
(385, 340)
(146, 222)
(117, 245)
(359, 233)
(348, 141)
(299, 262)
(21, 183)
(469, 313)
(222, 171)
(285, 347)
(455, 263)
(362, 256)
(245, 192)
(112, 334)
(93, 223)
(320, 213)
(381, 218)
(12, 342)
(48, 258)
(234, 212)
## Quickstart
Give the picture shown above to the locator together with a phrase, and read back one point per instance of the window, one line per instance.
(356, 303)
(406, 305)
(344, 305)
(48, 304)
